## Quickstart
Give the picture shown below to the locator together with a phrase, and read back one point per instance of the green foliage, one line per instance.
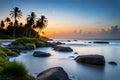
(8, 51)
(15, 67)
(5, 37)
(24, 40)
(3, 62)
(10, 77)
(3, 54)
(15, 71)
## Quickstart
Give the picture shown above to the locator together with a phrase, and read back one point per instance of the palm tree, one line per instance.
(2, 24)
(21, 25)
(8, 20)
(11, 24)
(41, 24)
(16, 13)
(10, 28)
(30, 22)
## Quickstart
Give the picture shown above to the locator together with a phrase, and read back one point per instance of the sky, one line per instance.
(71, 18)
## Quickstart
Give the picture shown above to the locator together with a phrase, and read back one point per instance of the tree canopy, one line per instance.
(32, 28)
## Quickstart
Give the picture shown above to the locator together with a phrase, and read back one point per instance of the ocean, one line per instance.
(76, 71)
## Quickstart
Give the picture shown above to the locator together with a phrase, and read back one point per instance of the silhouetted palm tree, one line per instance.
(30, 22)
(10, 28)
(41, 24)
(31, 18)
(8, 20)
(11, 24)
(21, 25)
(16, 13)
(2, 24)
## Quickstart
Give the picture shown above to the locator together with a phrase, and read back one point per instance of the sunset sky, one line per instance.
(71, 18)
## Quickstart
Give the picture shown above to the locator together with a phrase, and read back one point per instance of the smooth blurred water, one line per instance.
(75, 70)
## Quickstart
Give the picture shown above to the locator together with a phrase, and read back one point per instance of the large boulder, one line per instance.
(41, 54)
(40, 44)
(91, 59)
(61, 48)
(55, 73)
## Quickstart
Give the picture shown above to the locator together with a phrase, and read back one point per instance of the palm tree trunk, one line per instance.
(14, 29)
(14, 32)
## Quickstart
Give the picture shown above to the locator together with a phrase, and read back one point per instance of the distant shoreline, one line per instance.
(83, 39)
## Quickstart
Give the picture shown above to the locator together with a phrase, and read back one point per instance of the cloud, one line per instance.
(112, 32)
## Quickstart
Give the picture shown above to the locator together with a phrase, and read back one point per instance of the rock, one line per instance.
(91, 59)
(45, 38)
(75, 53)
(41, 54)
(112, 63)
(71, 56)
(56, 43)
(16, 50)
(47, 44)
(68, 41)
(101, 42)
(40, 44)
(22, 46)
(89, 42)
(55, 73)
(75, 40)
(61, 48)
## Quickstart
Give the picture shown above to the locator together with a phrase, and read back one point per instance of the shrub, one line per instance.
(3, 54)
(15, 68)
(16, 71)
(3, 62)
(5, 37)
(10, 77)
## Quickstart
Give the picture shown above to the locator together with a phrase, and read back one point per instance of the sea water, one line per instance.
(76, 71)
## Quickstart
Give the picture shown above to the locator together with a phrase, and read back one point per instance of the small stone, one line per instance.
(71, 56)
(75, 53)
(112, 63)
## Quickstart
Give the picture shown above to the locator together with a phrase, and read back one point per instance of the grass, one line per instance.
(24, 40)
(15, 67)
(12, 70)
(8, 52)
(3, 54)
(3, 62)
(15, 71)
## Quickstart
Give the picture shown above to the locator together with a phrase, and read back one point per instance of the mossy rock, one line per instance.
(24, 40)
(8, 52)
